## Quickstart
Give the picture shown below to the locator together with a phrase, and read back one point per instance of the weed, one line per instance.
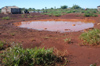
(12, 34)
(57, 15)
(93, 64)
(1, 45)
(46, 37)
(36, 16)
(6, 18)
(29, 16)
(90, 15)
(68, 40)
(22, 15)
(92, 37)
(17, 56)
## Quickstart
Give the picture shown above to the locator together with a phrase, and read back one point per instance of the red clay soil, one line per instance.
(78, 54)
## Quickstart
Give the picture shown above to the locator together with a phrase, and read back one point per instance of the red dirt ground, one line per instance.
(78, 55)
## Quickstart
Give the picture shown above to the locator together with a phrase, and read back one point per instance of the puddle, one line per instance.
(57, 25)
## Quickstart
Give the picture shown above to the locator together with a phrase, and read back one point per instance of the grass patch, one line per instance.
(1, 45)
(6, 18)
(17, 56)
(90, 15)
(46, 37)
(68, 40)
(57, 15)
(23, 15)
(13, 34)
(29, 16)
(93, 64)
(92, 37)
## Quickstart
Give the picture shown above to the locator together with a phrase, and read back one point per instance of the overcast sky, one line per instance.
(39, 4)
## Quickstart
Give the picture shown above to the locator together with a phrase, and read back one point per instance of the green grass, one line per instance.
(59, 11)
(6, 18)
(13, 34)
(91, 37)
(29, 16)
(1, 45)
(93, 65)
(90, 15)
(17, 56)
(46, 37)
(57, 15)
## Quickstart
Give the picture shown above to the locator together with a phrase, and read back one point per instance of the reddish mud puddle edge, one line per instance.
(59, 25)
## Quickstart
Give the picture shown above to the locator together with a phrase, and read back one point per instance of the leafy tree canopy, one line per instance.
(64, 7)
(76, 7)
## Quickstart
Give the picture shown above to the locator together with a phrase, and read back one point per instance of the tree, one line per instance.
(30, 9)
(51, 8)
(64, 7)
(76, 7)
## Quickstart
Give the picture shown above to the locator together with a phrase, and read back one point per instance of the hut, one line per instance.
(98, 8)
(11, 10)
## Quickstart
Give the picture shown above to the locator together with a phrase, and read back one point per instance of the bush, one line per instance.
(1, 45)
(76, 7)
(68, 12)
(57, 15)
(87, 15)
(92, 37)
(94, 15)
(64, 7)
(90, 15)
(17, 56)
(6, 18)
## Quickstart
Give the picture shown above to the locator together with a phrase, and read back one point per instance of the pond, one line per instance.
(57, 25)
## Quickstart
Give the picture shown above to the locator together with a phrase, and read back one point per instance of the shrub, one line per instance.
(1, 45)
(76, 7)
(64, 7)
(68, 40)
(57, 15)
(6, 18)
(95, 11)
(94, 15)
(4, 45)
(90, 15)
(17, 56)
(68, 12)
(87, 15)
(92, 37)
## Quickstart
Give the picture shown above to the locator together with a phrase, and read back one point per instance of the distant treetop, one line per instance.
(64, 7)
(76, 7)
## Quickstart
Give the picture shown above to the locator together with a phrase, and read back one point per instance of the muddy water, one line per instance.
(60, 26)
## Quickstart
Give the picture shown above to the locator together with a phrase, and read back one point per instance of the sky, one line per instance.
(39, 4)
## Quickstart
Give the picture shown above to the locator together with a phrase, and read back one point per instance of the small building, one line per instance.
(11, 10)
(98, 8)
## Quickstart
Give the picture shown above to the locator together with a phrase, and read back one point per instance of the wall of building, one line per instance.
(11, 10)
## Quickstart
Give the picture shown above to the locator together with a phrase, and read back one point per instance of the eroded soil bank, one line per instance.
(78, 54)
